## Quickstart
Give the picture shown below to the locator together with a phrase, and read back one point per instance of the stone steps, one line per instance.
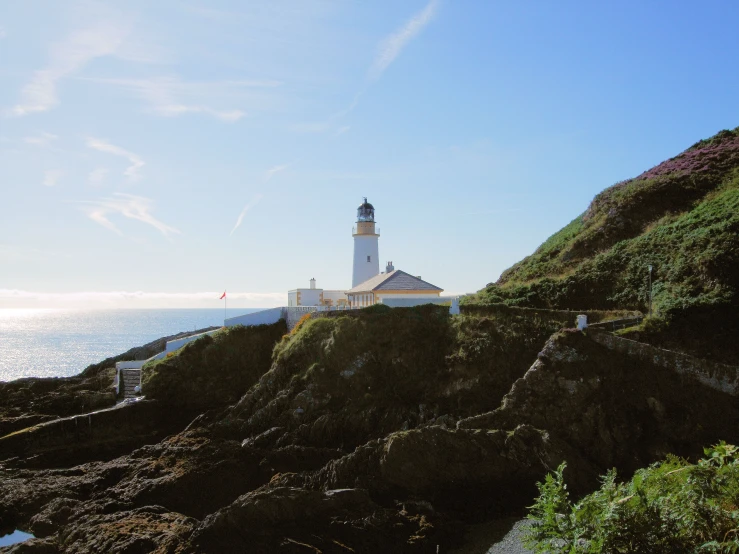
(130, 379)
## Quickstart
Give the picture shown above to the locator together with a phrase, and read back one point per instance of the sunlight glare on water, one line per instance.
(58, 342)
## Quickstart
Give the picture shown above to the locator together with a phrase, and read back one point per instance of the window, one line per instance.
(369, 258)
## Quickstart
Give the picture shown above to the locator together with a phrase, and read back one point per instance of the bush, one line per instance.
(213, 370)
(682, 218)
(671, 506)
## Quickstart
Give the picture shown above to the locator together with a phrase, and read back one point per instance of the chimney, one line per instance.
(313, 283)
(389, 267)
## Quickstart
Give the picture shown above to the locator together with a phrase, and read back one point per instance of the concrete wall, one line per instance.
(133, 364)
(720, 377)
(173, 345)
(263, 317)
(291, 314)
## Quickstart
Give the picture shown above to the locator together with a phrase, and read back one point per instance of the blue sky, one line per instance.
(153, 154)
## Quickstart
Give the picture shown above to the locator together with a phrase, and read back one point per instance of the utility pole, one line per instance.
(650, 291)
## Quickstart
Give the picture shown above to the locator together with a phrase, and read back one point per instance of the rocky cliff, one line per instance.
(384, 430)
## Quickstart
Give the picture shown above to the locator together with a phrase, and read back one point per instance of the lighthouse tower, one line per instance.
(366, 251)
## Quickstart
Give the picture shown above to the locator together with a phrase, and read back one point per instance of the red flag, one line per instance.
(223, 295)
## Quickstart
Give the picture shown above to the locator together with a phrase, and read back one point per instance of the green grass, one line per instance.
(684, 223)
(213, 370)
(385, 363)
(671, 506)
(548, 257)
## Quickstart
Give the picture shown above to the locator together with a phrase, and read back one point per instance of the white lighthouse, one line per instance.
(366, 249)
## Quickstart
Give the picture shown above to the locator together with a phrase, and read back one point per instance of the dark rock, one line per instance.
(55, 514)
(140, 531)
(289, 519)
(394, 449)
(619, 411)
(33, 546)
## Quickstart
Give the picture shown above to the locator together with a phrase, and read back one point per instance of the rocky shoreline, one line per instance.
(383, 431)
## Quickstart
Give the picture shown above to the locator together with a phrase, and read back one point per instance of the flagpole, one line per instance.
(225, 305)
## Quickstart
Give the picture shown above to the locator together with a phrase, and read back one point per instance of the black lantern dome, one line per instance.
(366, 212)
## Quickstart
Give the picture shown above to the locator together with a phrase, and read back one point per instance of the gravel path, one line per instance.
(502, 536)
(511, 542)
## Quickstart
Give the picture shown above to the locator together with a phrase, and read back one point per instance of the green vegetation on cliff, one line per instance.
(671, 506)
(682, 218)
(384, 369)
(214, 369)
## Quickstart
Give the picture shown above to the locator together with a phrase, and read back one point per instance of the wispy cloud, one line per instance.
(171, 97)
(391, 47)
(249, 205)
(97, 176)
(268, 175)
(67, 57)
(40, 140)
(52, 176)
(126, 205)
(132, 171)
(272, 171)
(388, 49)
(312, 127)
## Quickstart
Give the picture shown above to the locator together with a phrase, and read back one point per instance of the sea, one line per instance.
(60, 343)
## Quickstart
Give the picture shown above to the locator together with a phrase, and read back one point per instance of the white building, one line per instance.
(369, 286)
(316, 297)
(366, 247)
(393, 283)
(392, 287)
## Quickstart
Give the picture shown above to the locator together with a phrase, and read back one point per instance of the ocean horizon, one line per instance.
(40, 342)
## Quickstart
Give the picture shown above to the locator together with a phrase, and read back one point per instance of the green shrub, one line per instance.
(213, 370)
(671, 506)
(380, 368)
(682, 218)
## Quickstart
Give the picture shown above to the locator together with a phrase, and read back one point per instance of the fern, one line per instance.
(671, 506)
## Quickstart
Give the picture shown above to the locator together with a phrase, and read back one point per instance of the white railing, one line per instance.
(176, 344)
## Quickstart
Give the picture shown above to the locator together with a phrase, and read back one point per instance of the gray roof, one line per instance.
(394, 280)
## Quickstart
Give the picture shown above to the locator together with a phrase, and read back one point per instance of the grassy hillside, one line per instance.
(213, 370)
(384, 369)
(681, 217)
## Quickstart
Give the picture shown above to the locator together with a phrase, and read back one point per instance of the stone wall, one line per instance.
(568, 317)
(616, 324)
(105, 433)
(294, 313)
(720, 377)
